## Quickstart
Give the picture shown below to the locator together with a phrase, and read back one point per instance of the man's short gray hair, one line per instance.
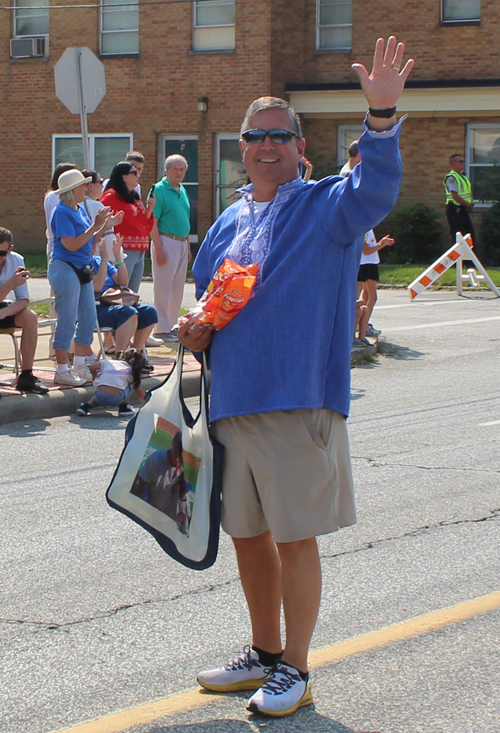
(176, 158)
(68, 196)
(258, 105)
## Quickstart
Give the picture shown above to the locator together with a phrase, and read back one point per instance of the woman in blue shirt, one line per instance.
(70, 276)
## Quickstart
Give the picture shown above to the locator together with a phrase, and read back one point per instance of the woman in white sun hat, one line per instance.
(70, 275)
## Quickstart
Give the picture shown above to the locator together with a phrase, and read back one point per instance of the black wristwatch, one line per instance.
(388, 112)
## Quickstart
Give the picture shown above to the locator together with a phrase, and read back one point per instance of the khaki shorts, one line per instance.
(287, 471)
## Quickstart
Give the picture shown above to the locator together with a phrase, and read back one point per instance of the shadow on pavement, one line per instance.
(25, 428)
(304, 721)
(398, 352)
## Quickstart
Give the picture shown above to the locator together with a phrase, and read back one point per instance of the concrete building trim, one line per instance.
(427, 102)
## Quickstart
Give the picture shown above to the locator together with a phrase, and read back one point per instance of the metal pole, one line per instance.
(83, 109)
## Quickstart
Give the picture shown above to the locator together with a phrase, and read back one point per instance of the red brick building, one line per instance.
(164, 61)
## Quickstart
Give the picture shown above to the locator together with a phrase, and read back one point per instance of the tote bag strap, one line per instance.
(177, 376)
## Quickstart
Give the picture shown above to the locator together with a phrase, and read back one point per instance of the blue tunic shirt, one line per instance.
(290, 347)
(69, 222)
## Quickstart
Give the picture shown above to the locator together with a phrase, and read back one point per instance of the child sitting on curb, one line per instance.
(114, 380)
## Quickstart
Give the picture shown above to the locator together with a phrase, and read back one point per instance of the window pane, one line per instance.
(126, 4)
(108, 152)
(189, 149)
(126, 42)
(335, 37)
(33, 26)
(333, 14)
(231, 175)
(485, 145)
(346, 136)
(216, 38)
(212, 13)
(193, 200)
(69, 150)
(122, 20)
(484, 182)
(461, 9)
(30, 21)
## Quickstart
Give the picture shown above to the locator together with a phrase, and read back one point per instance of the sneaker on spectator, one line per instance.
(371, 331)
(84, 409)
(243, 673)
(69, 379)
(29, 383)
(168, 337)
(282, 693)
(125, 410)
(152, 341)
(84, 373)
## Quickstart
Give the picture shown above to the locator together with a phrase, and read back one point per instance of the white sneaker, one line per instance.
(152, 341)
(68, 379)
(282, 693)
(84, 373)
(244, 673)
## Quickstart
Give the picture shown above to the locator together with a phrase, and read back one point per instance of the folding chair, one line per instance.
(42, 323)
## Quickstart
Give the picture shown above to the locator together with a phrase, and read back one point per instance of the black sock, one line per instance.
(304, 675)
(266, 658)
(26, 372)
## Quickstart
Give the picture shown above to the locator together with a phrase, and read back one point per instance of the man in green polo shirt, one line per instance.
(459, 199)
(171, 252)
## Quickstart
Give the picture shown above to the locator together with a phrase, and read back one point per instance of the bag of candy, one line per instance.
(227, 293)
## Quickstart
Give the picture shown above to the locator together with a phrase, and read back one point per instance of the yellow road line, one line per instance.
(150, 712)
(405, 629)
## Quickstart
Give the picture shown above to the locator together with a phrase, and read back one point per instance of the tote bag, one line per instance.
(169, 476)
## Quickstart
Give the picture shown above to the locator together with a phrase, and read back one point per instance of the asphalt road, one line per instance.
(94, 618)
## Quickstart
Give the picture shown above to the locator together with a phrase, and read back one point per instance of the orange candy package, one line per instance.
(227, 293)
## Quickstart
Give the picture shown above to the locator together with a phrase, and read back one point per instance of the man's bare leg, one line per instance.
(301, 588)
(260, 573)
(28, 321)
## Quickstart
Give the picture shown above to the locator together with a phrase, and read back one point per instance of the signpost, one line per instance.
(80, 85)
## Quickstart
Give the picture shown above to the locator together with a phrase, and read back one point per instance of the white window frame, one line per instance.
(219, 137)
(342, 148)
(330, 25)
(468, 165)
(197, 28)
(457, 20)
(92, 139)
(102, 33)
(193, 238)
(15, 16)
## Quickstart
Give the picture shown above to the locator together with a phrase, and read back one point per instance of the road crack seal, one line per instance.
(494, 515)
(376, 463)
(53, 626)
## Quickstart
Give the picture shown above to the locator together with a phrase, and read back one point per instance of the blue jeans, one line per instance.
(75, 306)
(134, 262)
(107, 400)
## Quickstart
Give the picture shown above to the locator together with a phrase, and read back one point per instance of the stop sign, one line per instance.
(79, 68)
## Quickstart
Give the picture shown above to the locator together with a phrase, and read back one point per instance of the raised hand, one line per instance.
(116, 218)
(384, 85)
(102, 216)
(117, 246)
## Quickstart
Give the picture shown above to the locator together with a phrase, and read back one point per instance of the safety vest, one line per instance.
(464, 187)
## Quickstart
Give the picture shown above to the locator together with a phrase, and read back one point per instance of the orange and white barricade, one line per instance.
(461, 250)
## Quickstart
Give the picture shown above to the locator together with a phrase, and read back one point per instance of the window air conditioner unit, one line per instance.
(27, 48)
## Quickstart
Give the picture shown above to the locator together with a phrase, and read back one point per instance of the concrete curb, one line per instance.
(57, 403)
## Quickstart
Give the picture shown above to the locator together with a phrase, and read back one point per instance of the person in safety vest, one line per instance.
(459, 200)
